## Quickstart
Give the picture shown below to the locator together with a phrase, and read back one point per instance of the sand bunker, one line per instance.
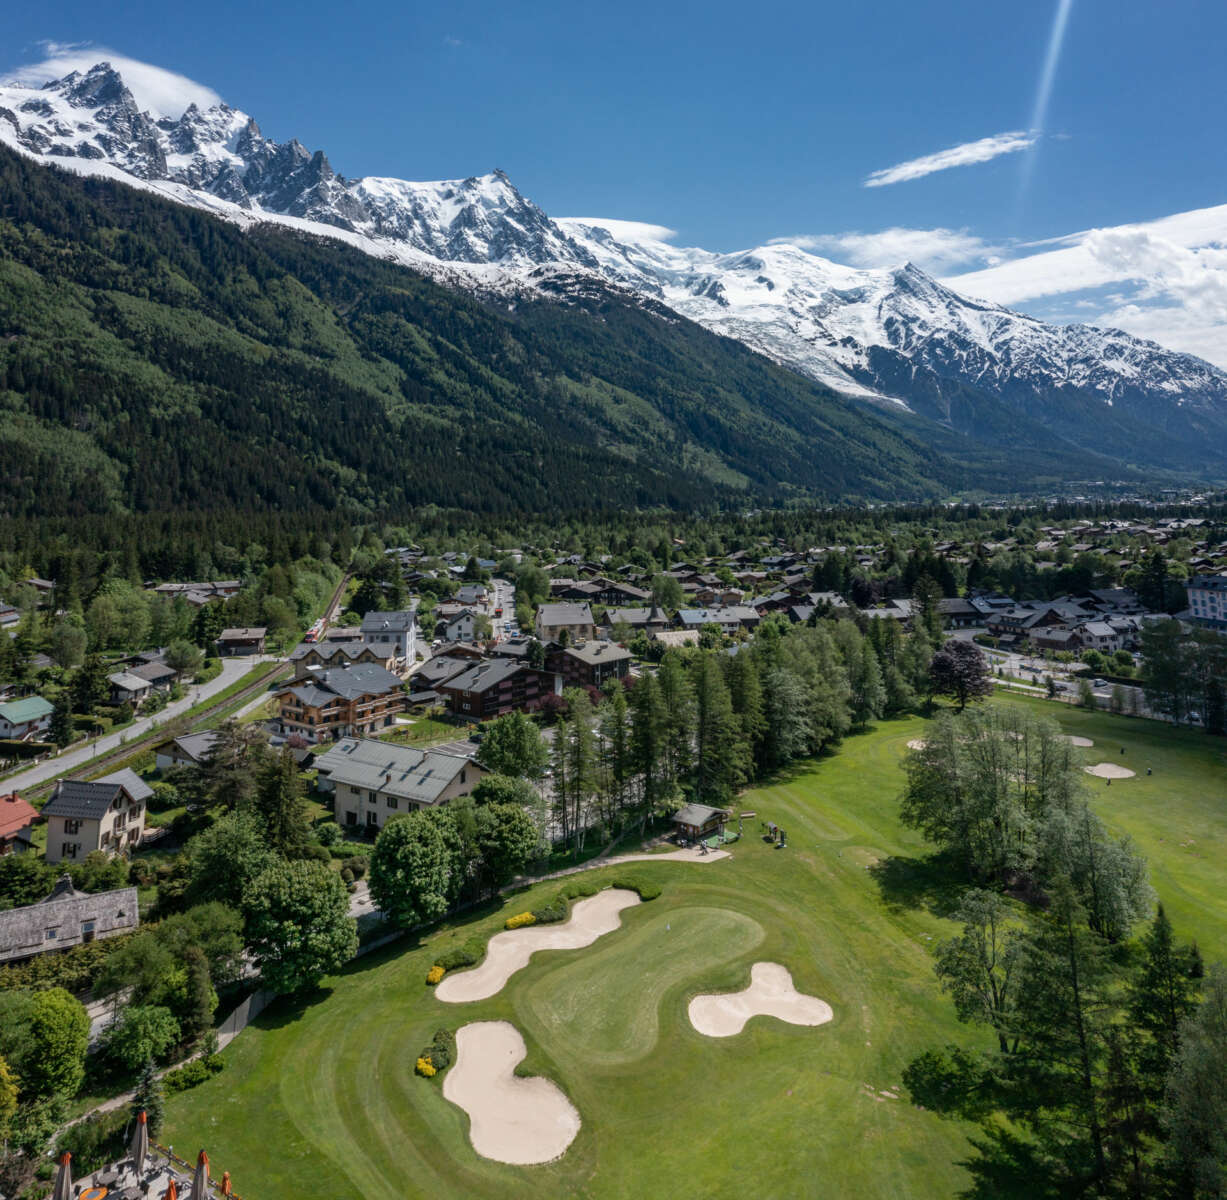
(512, 1118)
(771, 993)
(1110, 771)
(509, 952)
(690, 854)
(916, 744)
(1078, 741)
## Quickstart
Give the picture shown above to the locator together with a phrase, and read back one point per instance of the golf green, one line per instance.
(319, 1096)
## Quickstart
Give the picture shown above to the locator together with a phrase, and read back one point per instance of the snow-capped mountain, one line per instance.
(896, 335)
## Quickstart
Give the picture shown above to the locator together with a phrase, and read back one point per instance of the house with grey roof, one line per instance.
(127, 688)
(374, 781)
(310, 658)
(342, 702)
(25, 719)
(83, 816)
(575, 620)
(393, 634)
(64, 919)
(730, 619)
(189, 750)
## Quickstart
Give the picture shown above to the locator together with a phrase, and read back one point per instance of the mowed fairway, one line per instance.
(320, 1098)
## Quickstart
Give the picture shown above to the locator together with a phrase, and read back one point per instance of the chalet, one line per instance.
(99, 815)
(697, 821)
(200, 594)
(64, 919)
(730, 619)
(373, 781)
(160, 677)
(473, 594)
(393, 631)
(574, 620)
(958, 613)
(437, 670)
(490, 689)
(23, 720)
(189, 750)
(242, 640)
(310, 658)
(460, 626)
(650, 620)
(10, 617)
(17, 819)
(1099, 635)
(127, 688)
(590, 663)
(341, 702)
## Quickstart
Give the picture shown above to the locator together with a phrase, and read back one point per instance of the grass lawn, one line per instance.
(424, 731)
(320, 1095)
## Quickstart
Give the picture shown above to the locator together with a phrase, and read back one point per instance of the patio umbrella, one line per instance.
(225, 1183)
(139, 1146)
(63, 1179)
(200, 1180)
(171, 1193)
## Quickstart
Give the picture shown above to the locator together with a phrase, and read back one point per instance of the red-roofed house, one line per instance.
(16, 824)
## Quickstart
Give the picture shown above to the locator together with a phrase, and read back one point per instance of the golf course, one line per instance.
(319, 1095)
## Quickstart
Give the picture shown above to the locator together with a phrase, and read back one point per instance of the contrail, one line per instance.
(1043, 94)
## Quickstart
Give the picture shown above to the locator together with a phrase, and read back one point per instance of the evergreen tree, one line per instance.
(1195, 1109)
(715, 734)
(61, 730)
(90, 686)
(1162, 995)
(150, 1099)
(648, 742)
(677, 699)
(280, 806)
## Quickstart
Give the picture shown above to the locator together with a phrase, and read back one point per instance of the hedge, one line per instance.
(438, 1056)
(192, 1074)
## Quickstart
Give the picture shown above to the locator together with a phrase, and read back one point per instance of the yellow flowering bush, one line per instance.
(435, 974)
(520, 919)
(425, 1067)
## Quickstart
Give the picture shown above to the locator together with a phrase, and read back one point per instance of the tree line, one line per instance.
(1103, 1077)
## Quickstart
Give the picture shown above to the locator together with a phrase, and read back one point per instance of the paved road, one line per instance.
(232, 669)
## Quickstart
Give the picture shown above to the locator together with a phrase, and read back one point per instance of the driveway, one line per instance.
(232, 669)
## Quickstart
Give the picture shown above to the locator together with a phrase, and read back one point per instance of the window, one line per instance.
(72, 826)
(373, 797)
(70, 849)
(87, 931)
(351, 818)
(52, 934)
(372, 819)
(392, 802)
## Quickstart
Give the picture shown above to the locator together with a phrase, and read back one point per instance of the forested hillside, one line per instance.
(153, 358)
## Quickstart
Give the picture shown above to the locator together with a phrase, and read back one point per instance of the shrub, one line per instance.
(329, 833)
(435, 974)
(519, 920)
(192, 1074)
(96, 1141)
(438, 1055)
(357, 864)
(555, 910)
(347, 876)
(464, 955)
(647, 891)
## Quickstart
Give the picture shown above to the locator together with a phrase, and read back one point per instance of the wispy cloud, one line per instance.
(1165, 280)
(931, 249)
(624, 231)
(983, 150)
(155, 89)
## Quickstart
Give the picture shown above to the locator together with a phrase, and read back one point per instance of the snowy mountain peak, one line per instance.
(896, 335)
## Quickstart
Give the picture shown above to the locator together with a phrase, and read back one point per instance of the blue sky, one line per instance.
(735, 124)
